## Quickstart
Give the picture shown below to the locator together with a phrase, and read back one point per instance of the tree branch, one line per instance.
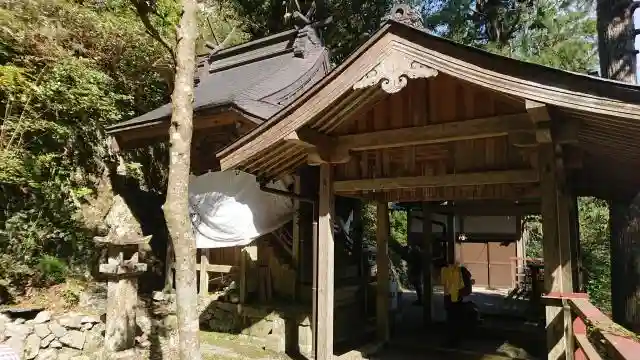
(144, 10)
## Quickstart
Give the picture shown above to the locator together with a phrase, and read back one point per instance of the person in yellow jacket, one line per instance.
(457, 283)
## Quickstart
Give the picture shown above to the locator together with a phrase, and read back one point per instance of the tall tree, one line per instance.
(176, 207)
(617, 54)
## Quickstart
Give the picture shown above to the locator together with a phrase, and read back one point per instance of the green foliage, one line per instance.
(595, 247)
(398, 236)
(353, 21)
(67, 70)
(555, 33)
(51, 270)
(594, 244)
(71, 296)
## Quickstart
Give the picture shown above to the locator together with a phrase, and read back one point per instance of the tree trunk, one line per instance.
(616, 40)
(618, 62)
(176, 207)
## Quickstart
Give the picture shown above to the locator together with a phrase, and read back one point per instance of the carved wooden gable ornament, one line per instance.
(393, 73)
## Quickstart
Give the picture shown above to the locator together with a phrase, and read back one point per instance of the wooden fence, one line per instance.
(593, 335)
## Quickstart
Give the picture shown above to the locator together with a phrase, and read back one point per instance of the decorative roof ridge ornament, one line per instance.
(393, 73)
(308, 26)
(403, 13)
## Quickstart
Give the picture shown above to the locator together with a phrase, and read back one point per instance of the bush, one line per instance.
(51, 271)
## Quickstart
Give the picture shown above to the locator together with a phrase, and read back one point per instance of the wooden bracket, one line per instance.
(321, 148)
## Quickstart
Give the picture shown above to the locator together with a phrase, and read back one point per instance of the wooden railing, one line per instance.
(593, 335)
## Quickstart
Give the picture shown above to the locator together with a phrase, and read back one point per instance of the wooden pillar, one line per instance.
(243, 275)
(427, 263)
(296, 238)
(325, 303)
(451, 237)
(576, 252)
(556, 246)
(382, 264)
(204, 274)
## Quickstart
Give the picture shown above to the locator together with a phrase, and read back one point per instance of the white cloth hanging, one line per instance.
(228, 209)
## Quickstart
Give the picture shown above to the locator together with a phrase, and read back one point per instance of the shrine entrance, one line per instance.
(411, 117)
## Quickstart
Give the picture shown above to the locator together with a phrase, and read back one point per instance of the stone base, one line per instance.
(262, 323)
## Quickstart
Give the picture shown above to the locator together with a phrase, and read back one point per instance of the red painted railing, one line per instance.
(593, 335)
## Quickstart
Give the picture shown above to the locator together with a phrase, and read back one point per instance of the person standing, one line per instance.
(457, 283)
(414, 264)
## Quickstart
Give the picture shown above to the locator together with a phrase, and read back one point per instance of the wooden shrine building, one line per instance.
(411, 117)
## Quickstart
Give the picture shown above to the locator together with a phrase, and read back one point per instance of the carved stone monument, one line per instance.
(122, 271)
(122, 246)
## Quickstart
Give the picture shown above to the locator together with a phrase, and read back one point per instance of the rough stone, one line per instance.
(171, 322)
(42, 330)
(18, 331)
(47, 354)
(46, 341)
(57, 329)
(143, 322)
(87, 326)
(93, 342)
(80, 357)
(158, 296)
(68, 354)
(71, 321)
(16, 344)
(94, 298)
(98, 328)
(19, 321)
(56, 344)
(3, 328)
(42, 317)
(31, 347)
(89, 320)
(74, 339)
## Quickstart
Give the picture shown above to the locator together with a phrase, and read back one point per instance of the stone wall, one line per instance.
(49, 337)
(77, 336)
(270, 325)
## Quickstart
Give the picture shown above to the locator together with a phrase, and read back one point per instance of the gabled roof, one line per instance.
(257, 78)
(397, 52)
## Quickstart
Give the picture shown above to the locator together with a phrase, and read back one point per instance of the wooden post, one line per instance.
(556, 246)
(325, 301)
(382, 277)
(204, 274)
(574, 218)
(427, 263)
(296, 238)
(243, 275)
(451, 237)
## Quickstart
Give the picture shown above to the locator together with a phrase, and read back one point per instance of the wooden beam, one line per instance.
(462, 179)
(488, 208)
(324, 348)
(427, 264)
(437, 133)
(382, 264)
